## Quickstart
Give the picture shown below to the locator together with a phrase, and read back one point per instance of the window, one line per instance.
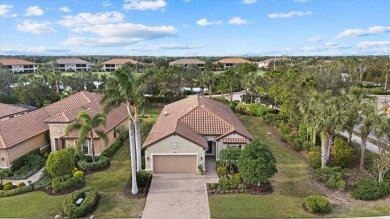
(86, 146)
(174, 143)
(114, 132)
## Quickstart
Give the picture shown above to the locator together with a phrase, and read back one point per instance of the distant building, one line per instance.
(231, 62)
(73, 65)
(265, 63)
(19, 65)
(189, 62)
(114, 64)
(8, 111)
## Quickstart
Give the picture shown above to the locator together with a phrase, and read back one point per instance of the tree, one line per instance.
(7, 79)
(228, 82)
(36, 94)
(382, 163)
(56, 76)
(230, 157)
(88, 127)
(256, 163)
(60, 163)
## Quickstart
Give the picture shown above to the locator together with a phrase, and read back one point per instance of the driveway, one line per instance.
(178, 195)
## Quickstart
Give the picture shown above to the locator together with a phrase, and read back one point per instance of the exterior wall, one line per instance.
(56, 130)
(22, 68)
(21, 149)
(222, 146)
(74, 67)
(165, 147)
(3, 159)
(111, 67)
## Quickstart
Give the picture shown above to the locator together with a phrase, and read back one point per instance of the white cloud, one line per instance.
(83, 19)
(144, 4)
(4, 9)
(65, 9)
(290, 14)
(315, 39)
(237, 21)
(205, 22)
(302, 1)
(159, 47)
(33, 11)
(361, 32)
(19, 50)
(14, 15)
(108, 41)
(247, 2)
(36, 27)
(186, 1)
(373, 44)
(106, 3)
(330, 44)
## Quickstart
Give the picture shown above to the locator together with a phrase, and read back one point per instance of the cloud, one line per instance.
(374, 30)
(205, 22)
(144, 5)
(186, 1)
(237, 21)
(158, 47)
(14, 15)
(107, 41)
(330, 44)
(247, 2)
(290, 14)
(36, 27)
(22, 50)
(373, 44)
(83, 19)
(65, 9)
(4, 9)
(315, 39)
(33, 11)
(302, 1)
(106, 3)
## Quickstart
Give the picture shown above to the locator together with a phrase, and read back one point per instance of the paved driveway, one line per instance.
(178, 195)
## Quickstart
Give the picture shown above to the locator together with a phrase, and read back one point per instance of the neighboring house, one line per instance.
(73, 65)
(8, 111)
(231, 62)
(267, 62)
(19, 65)
(46, 127)
(114, 64)
(189, 130)
(189, 62)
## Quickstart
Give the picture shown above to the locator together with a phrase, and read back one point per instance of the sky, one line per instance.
(195, 27)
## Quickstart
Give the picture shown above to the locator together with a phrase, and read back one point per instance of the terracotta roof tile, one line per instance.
(233, 60)
(119, 61)
(8, 109)
(16, 62)
(234, 140)
(187, 62)
(72, 61)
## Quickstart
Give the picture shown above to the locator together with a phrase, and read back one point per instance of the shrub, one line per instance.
(1, 186)
(220, 163)
(6, 173)
(90, 196)
(87, 166)
(58, 185)
(295, 142)
(221, 171)
(370, 190)
(60, 163)
(35, 161)
(108, 152)
(315, 158)
(78, 175)
(258, 110)
(230, 157)
(17, 191)
(242, 108)
(256, 163)
(8, 183)
(378, 91)
(21, 184)
(144, 178)
(8, 187)
(342, 153)
(332, 177)
(45, 181)
(146, 127)
(19, 162)
(317, 204)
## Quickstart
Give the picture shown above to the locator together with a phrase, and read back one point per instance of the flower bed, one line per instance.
(10, 190)
(90, 198)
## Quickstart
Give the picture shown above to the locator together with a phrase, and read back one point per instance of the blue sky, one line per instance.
(195, 27)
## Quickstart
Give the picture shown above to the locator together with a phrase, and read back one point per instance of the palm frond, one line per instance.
(71, 127)
(98, 120)
(102, 135)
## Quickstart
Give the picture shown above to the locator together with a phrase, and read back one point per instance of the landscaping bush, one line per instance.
(242, 108)
(78, 175)
(8, 187)
(342, 153)
(6, 173)
(370, 190)
(378, 91)
(60, 163)
(90, 196)
(146, 127)
(17, 191)
(332, 177)
(220, 163)
(317, 204)
(21, 184)
(315, 158)
(58, 185)
(19, 162)
(144, 178)
(221, 171)
(112, 149)
(230, 156)
(45, 181)
(30, 164)
(258, 110)
(87, 166)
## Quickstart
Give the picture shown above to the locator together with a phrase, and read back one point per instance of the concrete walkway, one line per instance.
(31, 180)
(370, 146)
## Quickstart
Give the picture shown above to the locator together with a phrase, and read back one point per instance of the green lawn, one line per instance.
(151, 114)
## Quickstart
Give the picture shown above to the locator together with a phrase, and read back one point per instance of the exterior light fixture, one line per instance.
(201, 158)
(147, 158)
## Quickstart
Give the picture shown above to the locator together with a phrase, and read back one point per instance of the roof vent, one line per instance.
(88, 108)
(166, 113)
(193, 105)
(203, 105)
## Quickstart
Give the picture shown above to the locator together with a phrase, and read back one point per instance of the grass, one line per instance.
(151, 114)
(291, 184)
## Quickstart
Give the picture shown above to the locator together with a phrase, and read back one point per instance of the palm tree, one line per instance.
(125, 87)
(88, 127)
(371, 122)
(57, 77)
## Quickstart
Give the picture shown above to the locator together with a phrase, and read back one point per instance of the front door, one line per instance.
(211, 148)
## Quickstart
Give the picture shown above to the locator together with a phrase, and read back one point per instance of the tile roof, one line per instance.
(8, 109)
(16, 62)
(119, 61)
(234, 140)
(187, 62)
(72, 61)
(193, 117)
(233, 60)
(24, 127)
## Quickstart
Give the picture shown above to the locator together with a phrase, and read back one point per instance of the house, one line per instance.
(189, 62)
(45, 128)
(267, 62)
(187, 131)
(231, 62)
(73, 65)
(19, 65)
(114, 64)
(8, 111)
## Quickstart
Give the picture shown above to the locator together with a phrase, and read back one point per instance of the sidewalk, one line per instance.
(32, 179)
(370, 146)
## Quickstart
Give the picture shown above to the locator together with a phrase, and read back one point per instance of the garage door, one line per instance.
(174, 163)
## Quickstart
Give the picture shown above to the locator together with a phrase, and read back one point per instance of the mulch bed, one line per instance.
(259, 190)
(64, 191)
(142, 191)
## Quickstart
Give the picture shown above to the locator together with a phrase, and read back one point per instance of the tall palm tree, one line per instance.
(126, 87)
(88, 127)
(56, 76)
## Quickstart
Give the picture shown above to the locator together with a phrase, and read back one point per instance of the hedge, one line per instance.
(84, 165)
(332, 177)
(317, 204)
(58, 185)
(370, 190)
(112, 149)
(21, 190)
(19, 162)
(90, 196)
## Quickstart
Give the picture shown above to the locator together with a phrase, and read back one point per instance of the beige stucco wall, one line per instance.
(56, 130)
(165, 146)
(222, 146)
